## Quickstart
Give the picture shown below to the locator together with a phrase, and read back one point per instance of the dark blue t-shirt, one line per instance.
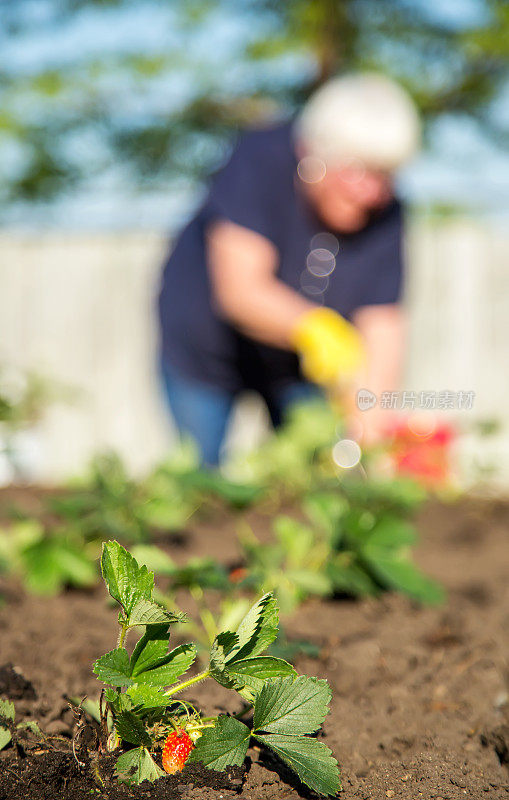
(257, 189)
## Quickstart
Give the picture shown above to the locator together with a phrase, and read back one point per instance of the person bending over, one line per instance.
(288, 279)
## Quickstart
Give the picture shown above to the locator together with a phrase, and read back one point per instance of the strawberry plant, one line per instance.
(144, 709)
(371, 547)
(110, 502)
(47, 561)
(203, 577)
(9, 730)
(293, 564)
(6, 722)
(296, 455)
(198, 577)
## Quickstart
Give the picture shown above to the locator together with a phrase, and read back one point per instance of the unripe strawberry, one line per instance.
(176, 750)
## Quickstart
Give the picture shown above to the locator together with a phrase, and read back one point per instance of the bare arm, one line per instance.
(383, 329)
(242, 266)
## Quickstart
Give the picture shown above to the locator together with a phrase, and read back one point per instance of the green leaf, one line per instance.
(224, 644)
(403, 576)
(166, 513)
(109, 694)
(150, 649)
(153, 558)
(119, 701)
(257, 630)
(170, 668)
(236, 494)
(288, 706)
(127, 582)
(347, 576)
(253, 672)
(32, 726)
(391, 533)
(232, 611)
(148, 696)
(204, 572)
(7, 711)
(309, 581)
(296, 538)
(325, 510)
(223, 745)
(54, 562)
(310, 759)
(131, 729)
(137, 766)
(146, 612)
(114, 667)
(5, 736)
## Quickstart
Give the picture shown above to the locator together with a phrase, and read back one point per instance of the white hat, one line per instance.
(362, 116)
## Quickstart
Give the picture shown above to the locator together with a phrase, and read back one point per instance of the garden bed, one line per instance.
(419, 707)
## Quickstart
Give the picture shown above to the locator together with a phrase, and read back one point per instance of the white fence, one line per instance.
(78, 308)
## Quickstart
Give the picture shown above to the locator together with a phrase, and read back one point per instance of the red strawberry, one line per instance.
(176, 750)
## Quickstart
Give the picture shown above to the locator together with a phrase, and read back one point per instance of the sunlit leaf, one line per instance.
(223, 745)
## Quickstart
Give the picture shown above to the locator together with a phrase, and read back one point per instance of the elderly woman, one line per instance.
(289, 277)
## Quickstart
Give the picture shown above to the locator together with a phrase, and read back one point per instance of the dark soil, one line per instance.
(420, 695)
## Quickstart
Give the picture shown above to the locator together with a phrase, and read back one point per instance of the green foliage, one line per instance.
(136, 766)
(7, 727)
(289, 462)
(84, 95)
(285, 711)
(235, 660)
(223, 745)
(208, 482)
(359, 543)
(23, 398)
(310, 759)
(292, 565)
(132, 586)
(141, 688)
(370, 539)
(6, 715)
(109, 503)
(114, 667)
(47, 561)
(292, 706)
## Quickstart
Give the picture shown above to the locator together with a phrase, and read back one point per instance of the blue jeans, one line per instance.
(202, 411)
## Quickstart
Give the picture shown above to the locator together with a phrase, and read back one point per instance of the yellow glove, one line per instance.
(330, 348)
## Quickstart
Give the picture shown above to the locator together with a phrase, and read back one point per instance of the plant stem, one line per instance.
(180, 686)
(122, 635)
(200, 727)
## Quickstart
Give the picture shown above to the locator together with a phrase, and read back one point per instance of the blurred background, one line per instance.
(112, 115)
